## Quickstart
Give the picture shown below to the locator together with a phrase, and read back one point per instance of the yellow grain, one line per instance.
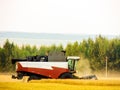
(62, 85)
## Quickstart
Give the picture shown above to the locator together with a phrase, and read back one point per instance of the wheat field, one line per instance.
(6, 83)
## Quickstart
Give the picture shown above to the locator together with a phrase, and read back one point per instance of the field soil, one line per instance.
(103, 83)
(5, 77)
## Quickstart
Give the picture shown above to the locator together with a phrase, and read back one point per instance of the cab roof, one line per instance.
(73, 57)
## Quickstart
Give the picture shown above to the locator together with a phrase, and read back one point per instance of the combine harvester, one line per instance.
(55, 65)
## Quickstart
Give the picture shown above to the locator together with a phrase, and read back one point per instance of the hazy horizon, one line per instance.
(46, 39)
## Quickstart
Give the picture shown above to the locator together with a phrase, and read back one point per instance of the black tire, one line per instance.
(33, 77)
(20, 75)
(66, 76)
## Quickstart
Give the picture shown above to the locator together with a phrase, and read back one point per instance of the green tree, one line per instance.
(34, 51)
(69, 49)
(59, 47)
(114, 54)
(99, 53)
(83, 48)
(2, 60)
(43, 50)
(75, 49)
(8, 48)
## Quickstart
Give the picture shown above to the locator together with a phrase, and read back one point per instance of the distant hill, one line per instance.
(38, 39)
(48, 36)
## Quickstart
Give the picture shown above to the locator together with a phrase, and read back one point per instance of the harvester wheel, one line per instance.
(33, 77)
(20, 75)
(66, 76)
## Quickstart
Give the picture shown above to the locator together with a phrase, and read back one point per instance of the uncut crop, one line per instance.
(62, 85)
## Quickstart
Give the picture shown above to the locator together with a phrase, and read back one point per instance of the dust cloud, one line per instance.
(83, 67)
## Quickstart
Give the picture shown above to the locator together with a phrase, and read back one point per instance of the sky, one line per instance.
(61, 16)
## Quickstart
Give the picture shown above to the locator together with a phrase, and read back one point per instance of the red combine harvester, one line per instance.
(55, 65)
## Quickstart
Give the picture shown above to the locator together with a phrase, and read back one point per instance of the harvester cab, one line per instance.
(72, 62)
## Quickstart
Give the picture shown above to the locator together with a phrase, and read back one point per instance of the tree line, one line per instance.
(95, 51)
